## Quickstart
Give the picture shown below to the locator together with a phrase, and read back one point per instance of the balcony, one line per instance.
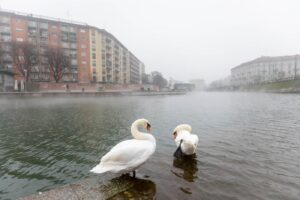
(74, 62)
(43, 26)
(65, 45)
(32, 33)
(44, 42)
(73, 46)
(44, 34)
(72, 38)
(5, 20)
(64, 37)
(72, 30)
(32, 40)
(5, 38)
(64, 28)
(5, 29)
(32, 24)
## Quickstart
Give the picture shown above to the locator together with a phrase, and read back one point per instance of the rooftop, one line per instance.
(268, 59)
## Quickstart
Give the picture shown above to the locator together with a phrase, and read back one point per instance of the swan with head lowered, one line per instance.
(186, 142)
(128, 155)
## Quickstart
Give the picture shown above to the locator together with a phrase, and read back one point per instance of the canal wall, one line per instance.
(124, 187)
(83, 94)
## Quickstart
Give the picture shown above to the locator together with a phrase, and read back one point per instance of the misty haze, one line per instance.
(140, 99)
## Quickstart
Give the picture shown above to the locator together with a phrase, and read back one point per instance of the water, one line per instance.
(249, 144)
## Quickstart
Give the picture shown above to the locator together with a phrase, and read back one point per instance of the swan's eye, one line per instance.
(174, 134)
(148, 127)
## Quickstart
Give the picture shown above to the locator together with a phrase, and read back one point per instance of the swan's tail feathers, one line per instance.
(99, 169)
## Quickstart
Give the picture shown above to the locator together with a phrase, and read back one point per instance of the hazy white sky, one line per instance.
(186, 39)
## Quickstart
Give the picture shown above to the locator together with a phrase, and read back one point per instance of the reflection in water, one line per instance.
(189, 166)
(138, 188)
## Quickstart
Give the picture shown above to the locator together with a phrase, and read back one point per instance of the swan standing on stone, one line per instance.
(128, 155)
(186, 142)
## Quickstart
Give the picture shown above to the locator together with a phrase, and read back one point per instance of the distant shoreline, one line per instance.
(83, 94)
(288, 86)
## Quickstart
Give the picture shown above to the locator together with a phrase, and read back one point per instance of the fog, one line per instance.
(186, 39)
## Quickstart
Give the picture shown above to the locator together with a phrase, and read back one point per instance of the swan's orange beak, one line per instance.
(148, 128)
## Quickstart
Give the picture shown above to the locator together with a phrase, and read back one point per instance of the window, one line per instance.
(83, 46)
(94, 63)
(83, 62)
(19, 29)
(82, 30)
(94, 56)
(83, 54)
(54, 26)
(54, 34)
(20, 39)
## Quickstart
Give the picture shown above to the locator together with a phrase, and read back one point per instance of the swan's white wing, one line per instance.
(195, 139)
(125, 156)
(182, 135)
(190, 142)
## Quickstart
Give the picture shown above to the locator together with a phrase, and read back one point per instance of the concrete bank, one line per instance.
(83, 94)
(124, 187)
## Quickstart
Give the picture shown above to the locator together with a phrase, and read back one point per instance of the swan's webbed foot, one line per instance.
(133, 173)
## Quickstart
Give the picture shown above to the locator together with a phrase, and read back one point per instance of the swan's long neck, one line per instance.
(140, 135)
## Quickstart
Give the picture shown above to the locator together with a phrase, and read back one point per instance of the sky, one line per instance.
(186, 39)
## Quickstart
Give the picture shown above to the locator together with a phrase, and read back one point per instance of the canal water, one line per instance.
(249, 144)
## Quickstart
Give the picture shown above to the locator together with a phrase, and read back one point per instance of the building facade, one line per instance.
(96, 56)
(199, 84)
(266, 69)
(109, 57)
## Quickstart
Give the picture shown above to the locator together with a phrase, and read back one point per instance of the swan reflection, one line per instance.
(133, 188)
(189, 166)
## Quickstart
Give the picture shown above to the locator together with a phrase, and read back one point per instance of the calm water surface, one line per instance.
(249, 144)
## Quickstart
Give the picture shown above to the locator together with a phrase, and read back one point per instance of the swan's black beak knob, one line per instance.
(148, 128)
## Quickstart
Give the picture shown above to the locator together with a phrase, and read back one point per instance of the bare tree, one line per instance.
(59, 63)
(159, 80)
(295, 68)
(24, 57)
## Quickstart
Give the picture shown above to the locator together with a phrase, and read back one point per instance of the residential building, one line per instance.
(199, 84)
(44, 32)
(96, 55)
(6, 80)
(109, 57)
(266, 69)
(134, 74)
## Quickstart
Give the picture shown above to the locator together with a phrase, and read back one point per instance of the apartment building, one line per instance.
(72, 37)
(111, 61)
(266, 69)
(96, 55)
(135, 68)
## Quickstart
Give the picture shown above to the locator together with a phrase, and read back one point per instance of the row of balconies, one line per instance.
(5, 38)
(67, 45)
(68, 29)
(4, 20)
(5, 29)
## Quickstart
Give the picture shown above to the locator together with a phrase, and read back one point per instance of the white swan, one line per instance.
(185, 141)
(130, 154)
